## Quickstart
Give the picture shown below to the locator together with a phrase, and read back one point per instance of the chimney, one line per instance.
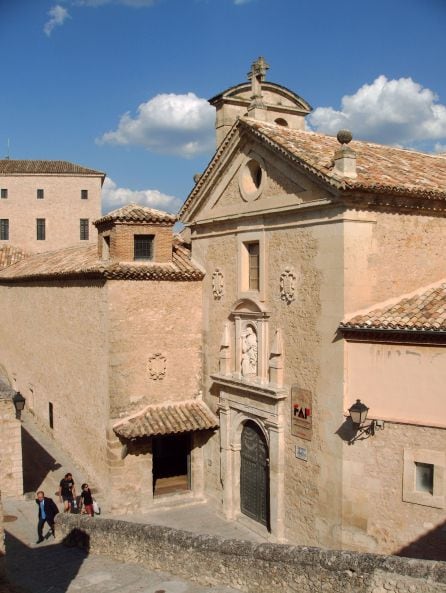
(345, 157)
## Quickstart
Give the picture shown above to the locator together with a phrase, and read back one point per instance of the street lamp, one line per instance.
(358, 415)
(19, 403)
(358, 412)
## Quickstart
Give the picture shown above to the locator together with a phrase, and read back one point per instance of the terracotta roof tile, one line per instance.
(424, 311)
(379, 167)
(135, 213)
(78, 262)
(10, 255)
(30, 167)
(167, 419)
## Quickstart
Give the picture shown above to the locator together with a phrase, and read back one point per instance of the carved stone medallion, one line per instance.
(288, 285)
(157, 366)
(218, 284)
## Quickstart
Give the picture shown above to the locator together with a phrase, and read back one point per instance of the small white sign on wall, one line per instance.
(302, 453)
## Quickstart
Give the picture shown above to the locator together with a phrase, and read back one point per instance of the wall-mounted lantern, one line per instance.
(358, 415)
(19, 403)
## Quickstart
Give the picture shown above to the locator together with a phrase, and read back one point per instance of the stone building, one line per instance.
(298, 232)
(92, 338)
(316, 279)
(47, 205)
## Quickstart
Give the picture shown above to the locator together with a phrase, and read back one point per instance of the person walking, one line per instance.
(47, 512)
(67, 492)
(86, 500)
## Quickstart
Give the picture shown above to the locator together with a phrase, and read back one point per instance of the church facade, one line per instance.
(297, 233)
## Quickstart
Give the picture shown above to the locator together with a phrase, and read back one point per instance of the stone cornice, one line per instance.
(267, 390)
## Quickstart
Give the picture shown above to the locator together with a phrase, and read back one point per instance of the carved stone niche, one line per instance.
(250, 341)
(218, 284)
(288, 280)
(156, 366)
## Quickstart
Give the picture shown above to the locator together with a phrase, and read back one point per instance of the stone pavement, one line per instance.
(50, 567)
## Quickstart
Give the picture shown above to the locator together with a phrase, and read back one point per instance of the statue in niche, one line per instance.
(249, 353)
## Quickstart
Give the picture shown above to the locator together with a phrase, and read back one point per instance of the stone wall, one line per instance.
(382, 510)
(54, 349)
(11, 479)
(259, 568)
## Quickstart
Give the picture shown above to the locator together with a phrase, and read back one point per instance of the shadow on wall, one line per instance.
(49, 568)
(430, 546)
(37, 463)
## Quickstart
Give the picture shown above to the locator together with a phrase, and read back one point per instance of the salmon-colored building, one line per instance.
(47, 205)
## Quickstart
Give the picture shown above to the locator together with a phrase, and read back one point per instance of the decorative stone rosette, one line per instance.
(156, 366)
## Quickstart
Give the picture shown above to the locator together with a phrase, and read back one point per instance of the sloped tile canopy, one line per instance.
(171, 418)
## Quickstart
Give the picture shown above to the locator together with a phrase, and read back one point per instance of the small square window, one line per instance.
(4, 193)
(4, 229)
(40, 194)
(424, 477)
(84, 194)
(143, 246)
(40, 229)
(84, 229)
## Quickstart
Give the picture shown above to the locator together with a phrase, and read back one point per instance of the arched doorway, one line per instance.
(254, 474)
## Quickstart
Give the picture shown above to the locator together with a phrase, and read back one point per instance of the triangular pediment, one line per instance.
(247, 176)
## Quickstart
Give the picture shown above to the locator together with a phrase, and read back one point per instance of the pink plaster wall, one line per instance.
(398, 382)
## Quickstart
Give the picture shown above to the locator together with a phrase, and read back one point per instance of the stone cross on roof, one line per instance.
(257, 75)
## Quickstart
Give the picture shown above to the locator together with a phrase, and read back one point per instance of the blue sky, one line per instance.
(121, 85)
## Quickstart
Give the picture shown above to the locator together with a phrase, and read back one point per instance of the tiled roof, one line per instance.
(425, 311)
(135, 213)
(380, 169)
(167, 419)
(10, 255)
(81, 262)
(11, 167)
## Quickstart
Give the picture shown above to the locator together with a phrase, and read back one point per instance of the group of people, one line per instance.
(67, 494)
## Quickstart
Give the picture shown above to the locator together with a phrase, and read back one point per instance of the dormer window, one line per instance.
(143, 247)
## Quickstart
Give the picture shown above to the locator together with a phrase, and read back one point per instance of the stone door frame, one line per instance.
(235, 410)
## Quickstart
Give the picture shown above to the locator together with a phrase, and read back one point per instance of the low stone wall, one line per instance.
(259, 568)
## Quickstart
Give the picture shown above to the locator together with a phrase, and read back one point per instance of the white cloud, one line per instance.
(439, 148)
(115, 197)
(168, 124)
(58, 15)
(388, 111)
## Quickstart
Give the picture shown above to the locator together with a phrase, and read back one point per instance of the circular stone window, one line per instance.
(251, 180)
